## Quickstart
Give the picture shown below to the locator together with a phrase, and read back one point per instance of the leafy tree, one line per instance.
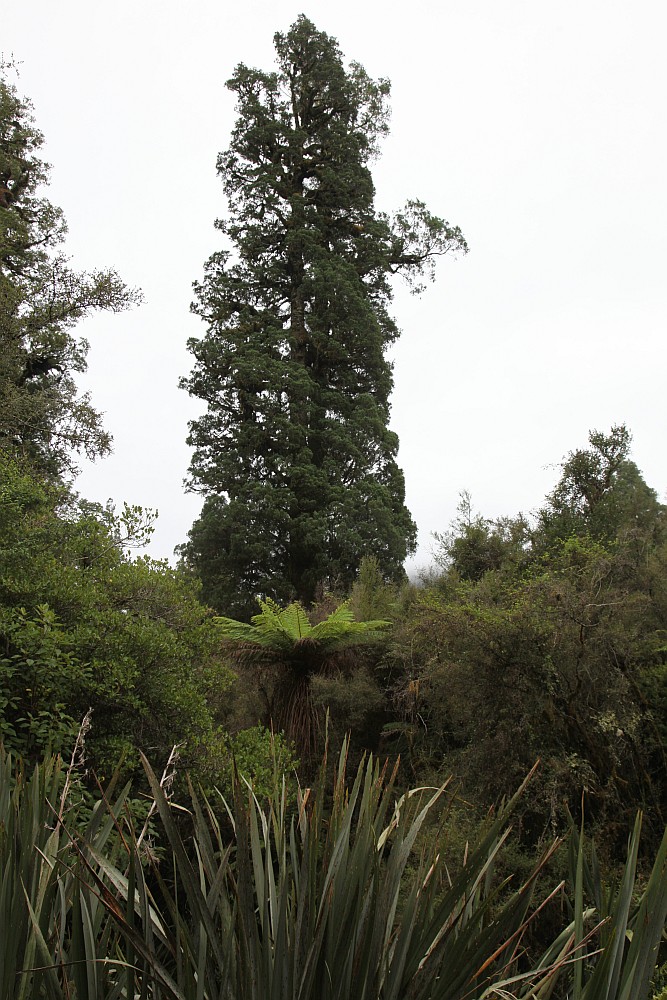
(474, 545)
(371, 595)
(42, 414)
(83, 625)
(601, 492)
(294, 456)
(285, 652)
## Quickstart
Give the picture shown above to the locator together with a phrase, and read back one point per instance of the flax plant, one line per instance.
(56, 937)
(332, 902)
(630, 925)
(330, 899)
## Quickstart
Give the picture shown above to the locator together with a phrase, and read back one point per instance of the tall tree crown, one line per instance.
(294, 454)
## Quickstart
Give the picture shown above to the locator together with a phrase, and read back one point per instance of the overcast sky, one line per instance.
(538, 127)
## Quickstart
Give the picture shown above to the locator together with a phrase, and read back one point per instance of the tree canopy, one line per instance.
(42, 414)
(600, 492)
(294, 455)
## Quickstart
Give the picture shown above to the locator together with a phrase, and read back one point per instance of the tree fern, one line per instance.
(283, 642)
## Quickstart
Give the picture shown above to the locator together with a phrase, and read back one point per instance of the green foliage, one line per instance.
(83, 625)
(549, 659)
(618, 963)
(372, 596)
(294, 455)
(37, 683)
(600, 492)
(558, 637)
(282, 631)
(261, 758)
(355, 704)
(42, 414)
(58, 940)
(475, 545)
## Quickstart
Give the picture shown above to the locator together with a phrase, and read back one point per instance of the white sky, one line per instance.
(538, 126)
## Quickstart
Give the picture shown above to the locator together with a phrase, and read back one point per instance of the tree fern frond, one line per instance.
(294, 622)
(341, 624)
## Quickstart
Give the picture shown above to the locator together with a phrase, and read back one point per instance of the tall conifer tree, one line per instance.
(293, 455)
